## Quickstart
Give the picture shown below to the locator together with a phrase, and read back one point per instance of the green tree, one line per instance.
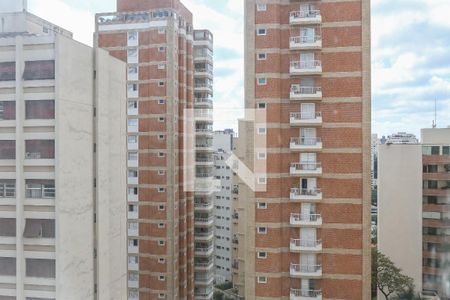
(388, 278)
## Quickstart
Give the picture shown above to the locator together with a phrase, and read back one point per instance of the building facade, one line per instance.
(402, 138)
(308, 235)
(421, 192)
(223, 147)
(156, 40)
(62, 166)
(203, 195)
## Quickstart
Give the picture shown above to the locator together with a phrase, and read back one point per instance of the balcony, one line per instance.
(300, 294)
(133, 180)
(203, 266)
(133, 266)
(205, 115)
(204, 186)
(203, 221)
(203, 132)
(203, 87)
(306, 144)
(204, 72)
(204, 236)
(204, 295)
(305, 118)
(204, 160)
(303, 17)
(299, 245)
(133, 215)
(203, 251)
(310, 271)
(305, 42)
(133, 229)
(205, 279)
(310, 195)
(133, 249)
(306, 169)
(301, 93)
(203, 206)
(203, 102)
(204, 147)
(313, 67)
(305, 219)
(133, 163)
(132, 146)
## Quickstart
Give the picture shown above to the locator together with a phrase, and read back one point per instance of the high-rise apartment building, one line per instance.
(62, 165)
(203, 196)
(223, 210)
(415, 180)
(156, 40)
(308, 235)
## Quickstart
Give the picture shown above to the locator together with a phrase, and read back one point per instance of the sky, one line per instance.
(410, 56)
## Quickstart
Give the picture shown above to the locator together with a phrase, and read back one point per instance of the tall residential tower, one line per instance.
(156, 40)
(308, 235)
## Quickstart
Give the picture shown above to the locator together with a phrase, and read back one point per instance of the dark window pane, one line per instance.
(435, 150)
(40, 109)
(7, 266)
(37, 228)
(7, 110)
(40, 149)
(35, 188)
(8, 71)
(44, 268)
(446, 150)
(7, 149)
(7, 227)
(39, 70)
(7, 188)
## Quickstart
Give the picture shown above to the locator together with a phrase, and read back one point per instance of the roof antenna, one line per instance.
(435, 114)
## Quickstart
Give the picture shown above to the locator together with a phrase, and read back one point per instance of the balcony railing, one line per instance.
(203, 101)
(203, 221)
(299, 92)
(305, 67)
(300, 294)
(309, 168)
(306, 194)
(306, 219)
(306, 143)
(305, 17)
(305, 118)
(306, 270)
(305, 42)
(203, 86)
(305, 245)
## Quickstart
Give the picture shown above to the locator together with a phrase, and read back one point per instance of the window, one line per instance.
(262, 130)
(161, 296)
(38, 188)
(261, 105)
(8, 71)
(262, 155)
(262, 56)
(430, 168)
(132, 156)
(7, 149)
(161, 49)
(161, 83)
(262, 230)
(161, 172)
(39, 228)
(262, 81)
(39, 70)
(161, 154)
(161, 66)
(132, 173)
(161, 137)
(161, 208)
(161, 225)
(7, 110)
(161, 260)
(7, 188)
(133, 38)
(7, 228)
(161, 243)
(435, 150)
(262, 279)
(262, 254)
(132, 55)
(39, 109)
(261, 31)
(161, 190)
(161, 101)
(261, 7)
(132, 139)
(8, 266)
(161, 119)
(162, 277)
(161, 30)
(43, 268)
(446, 150)
(132, 122)
(133, 259)
(133, 72)
(262, 205)
(39, 149)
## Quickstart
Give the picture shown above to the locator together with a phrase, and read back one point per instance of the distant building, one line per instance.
(223, 144)
(402, 138)
(414, 209)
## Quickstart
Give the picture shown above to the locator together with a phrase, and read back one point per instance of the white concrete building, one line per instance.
(402, 138)
(62, 166)
(223, 145)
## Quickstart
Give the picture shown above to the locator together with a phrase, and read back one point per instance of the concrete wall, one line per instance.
(111, 177)
(400, 208)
